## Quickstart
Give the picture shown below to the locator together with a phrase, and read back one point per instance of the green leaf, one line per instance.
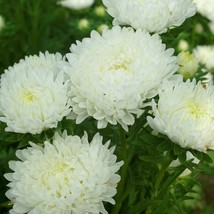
(171, 178)
(25, 141)
(197, 154)
(178, 150)
(182, 157)
(7, 204)
(137, 142)
(143, 204)
(148, 138)
(68, 125)
(163, 205)
(177, 204)
(164, 146)
(152, 159)
(207, 158)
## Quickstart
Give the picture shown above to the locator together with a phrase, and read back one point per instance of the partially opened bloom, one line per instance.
(33, 94)
(151, 15)
(76, 4)
(185, 114)
(113, 74)
(69, 176)
(188, 64)
(205, 55)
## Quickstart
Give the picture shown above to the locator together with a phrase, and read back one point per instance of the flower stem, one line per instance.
(158, 182)
(119, 196)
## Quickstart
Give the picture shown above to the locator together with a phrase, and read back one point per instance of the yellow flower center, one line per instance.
(58, 169)
(197, 110)
(121, 65)
(28, 97)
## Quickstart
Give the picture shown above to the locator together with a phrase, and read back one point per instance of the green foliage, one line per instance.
(37, 25)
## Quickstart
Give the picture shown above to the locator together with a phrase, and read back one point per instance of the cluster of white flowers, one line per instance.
(76, 4)
(108, 77)
(184, 113)
(113, 74)
(151, 15)
(33, 94)
(69, 175)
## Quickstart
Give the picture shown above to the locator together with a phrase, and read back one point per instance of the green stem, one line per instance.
(119, 196)
(158, 182)
(160, 176)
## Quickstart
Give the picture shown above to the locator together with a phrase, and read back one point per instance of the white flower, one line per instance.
(188, 64)
(205, 8)
(186, 172)
(185, 114)
(69, 176)
(33, 94)
(2, 23)
(151, 15)
(205, 55)
(76, 4)
(114, 73)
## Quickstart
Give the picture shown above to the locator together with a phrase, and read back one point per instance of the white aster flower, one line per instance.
(76, 4)
(113, 74)
(185, 114)
(33, 94)
(205, 8)
(69, 176)
(151, 15)
(205, 55)
(186, 172)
